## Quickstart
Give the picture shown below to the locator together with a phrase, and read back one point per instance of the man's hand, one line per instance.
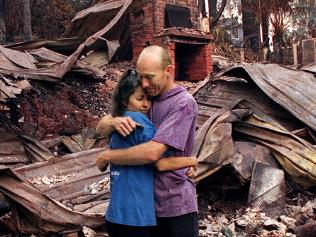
(124, 125)
(101, 162)
(109, 124)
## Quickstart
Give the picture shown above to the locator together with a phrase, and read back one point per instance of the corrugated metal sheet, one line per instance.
(310, 68)
(294, 90)
(93, 34)
(276, 95)
(12, 150)
(296, 156)
(224, 93)
(50, 207)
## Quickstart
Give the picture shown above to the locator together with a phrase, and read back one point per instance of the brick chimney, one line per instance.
(174, 24)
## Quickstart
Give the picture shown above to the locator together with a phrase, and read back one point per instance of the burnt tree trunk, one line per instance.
(201, 6)
(27, 27)
(212, 4)
(2, 22)
(214, 14)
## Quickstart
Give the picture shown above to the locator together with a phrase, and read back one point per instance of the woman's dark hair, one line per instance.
(123, 90)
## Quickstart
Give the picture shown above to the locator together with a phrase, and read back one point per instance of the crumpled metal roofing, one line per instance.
(310, 68)
(25, 67)
(45, 204)
(292, 89)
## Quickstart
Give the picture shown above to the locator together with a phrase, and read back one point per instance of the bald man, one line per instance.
(174, 112)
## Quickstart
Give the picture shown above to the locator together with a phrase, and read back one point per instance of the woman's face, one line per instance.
(139, 101)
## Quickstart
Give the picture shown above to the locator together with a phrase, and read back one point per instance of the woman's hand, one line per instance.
(191, 171)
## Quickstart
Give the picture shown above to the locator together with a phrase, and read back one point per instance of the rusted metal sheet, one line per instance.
(57, 71)
(45, 214)
(214, 142)
(92, 19)
(67, 64)
(310, 68)
(8, 91)
(23, 60)
(35, 149)
(296, 156)
(45, 203)
(12, 150)
(52, 60)
(36, 74)
(293, 90)
(267, 189)
(225, 92)
(246, 154)
(99, 8)
(48, 55)
(72, 164)
(62, 45)
(81, 142)
(16, 150)
(23, 65)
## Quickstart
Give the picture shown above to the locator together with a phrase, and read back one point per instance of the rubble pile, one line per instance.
(247, 143)
(49, 180)
(95, 96)
(97, 187)
(47, 109)
(50, 110)
(255, 222)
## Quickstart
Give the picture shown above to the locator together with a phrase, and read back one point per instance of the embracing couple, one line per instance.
(152, 130)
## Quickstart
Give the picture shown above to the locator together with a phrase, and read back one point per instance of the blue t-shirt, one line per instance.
(132, 191)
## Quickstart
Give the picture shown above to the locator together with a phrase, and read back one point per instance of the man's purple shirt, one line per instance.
(175, 113)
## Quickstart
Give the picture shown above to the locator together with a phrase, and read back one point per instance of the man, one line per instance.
(174, 112)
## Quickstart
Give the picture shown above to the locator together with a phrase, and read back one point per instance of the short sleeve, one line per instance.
(140, 135)
(175, 128)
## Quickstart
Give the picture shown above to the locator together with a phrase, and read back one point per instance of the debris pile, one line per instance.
(256, 136)
(97, 187)
(49, 180)
(255, 222)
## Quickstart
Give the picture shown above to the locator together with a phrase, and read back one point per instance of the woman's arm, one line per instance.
(174, 163)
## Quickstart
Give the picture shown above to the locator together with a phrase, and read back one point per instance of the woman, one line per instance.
(131, 210)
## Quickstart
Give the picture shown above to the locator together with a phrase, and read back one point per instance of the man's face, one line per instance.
(154, 79)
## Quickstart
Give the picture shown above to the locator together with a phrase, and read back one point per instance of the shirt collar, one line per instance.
(170, 92)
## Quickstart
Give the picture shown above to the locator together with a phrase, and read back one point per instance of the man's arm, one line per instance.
(174, 163)
(108, 124)
(145, 153)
